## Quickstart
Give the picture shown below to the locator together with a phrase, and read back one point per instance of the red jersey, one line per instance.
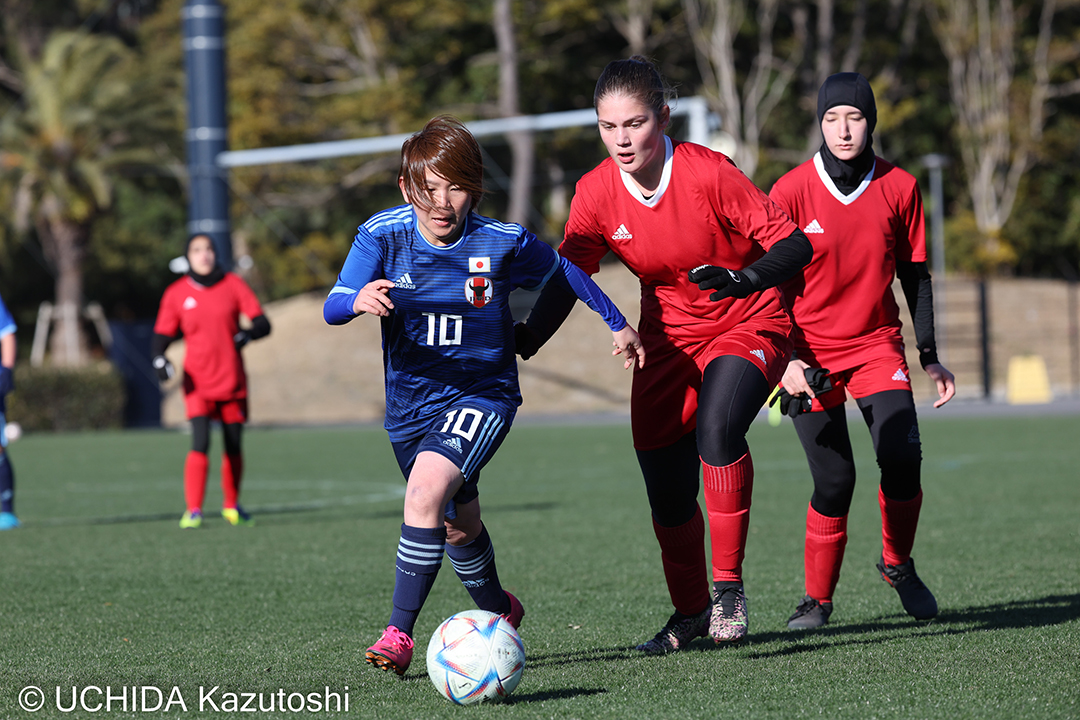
(209, 317)
(705, 211)
(843, 304)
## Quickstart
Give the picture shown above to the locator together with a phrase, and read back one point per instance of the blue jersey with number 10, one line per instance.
(450, 334)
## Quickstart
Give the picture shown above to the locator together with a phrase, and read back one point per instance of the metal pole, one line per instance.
(934, 163)
(984, 338)
(204, 62)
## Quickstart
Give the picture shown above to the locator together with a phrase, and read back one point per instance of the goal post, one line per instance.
(695, 109)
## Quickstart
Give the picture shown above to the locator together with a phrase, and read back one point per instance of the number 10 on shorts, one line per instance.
(461, 417)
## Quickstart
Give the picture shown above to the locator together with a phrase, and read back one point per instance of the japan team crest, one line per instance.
(478, 291)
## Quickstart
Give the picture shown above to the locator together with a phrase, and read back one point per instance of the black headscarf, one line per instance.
(854, 90)
(216, 274)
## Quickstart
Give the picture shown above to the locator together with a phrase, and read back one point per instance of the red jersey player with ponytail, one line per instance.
(866, 220)
(709, 248)
(204, 308)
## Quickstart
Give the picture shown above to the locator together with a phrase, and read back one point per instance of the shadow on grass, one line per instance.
(1012, 615)
(332, 506)
(572, 658)
(564, 694)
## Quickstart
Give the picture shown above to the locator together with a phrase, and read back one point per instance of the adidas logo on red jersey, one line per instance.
(899, 375)
(622, 234)
(814, 228)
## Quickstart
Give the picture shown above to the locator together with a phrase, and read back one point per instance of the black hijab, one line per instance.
(210, 278)
(854, 90)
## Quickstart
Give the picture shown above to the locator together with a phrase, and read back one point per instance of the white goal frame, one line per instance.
(695, 108)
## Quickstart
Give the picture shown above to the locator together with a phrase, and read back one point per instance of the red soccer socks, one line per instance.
(232, 469)
(899, 519)
(195, 468)
(727, 497)
(682, 552)
(826, 538)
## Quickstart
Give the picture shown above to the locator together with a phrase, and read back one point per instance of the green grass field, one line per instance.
(101, 588)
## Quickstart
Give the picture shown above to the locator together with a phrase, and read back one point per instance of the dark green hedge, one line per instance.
(49, 398)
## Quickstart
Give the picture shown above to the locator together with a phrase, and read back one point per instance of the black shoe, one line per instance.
(810, 614)
(917, 599)
(679, 632)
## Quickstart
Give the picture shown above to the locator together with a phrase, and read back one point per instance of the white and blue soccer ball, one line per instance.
(475, 656)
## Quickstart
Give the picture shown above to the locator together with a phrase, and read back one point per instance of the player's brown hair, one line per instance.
(447, 148)
(636, 77)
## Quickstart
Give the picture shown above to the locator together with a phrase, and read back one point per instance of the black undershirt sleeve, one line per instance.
(918, 291)
(260, 327)
(159, 342)
(548, 314)
(785, 258)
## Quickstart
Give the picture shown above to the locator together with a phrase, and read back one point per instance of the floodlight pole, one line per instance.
(204, 61)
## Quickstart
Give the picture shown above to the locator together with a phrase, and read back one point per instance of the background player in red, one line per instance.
(204, 308)
(866, 220)
(684, 219)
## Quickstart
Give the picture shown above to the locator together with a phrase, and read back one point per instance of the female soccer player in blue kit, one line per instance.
(8, 521)
(439, 276)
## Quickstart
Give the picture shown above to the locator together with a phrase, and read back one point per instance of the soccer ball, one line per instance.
(475, 656)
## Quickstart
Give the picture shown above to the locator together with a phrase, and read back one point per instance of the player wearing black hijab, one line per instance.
(865, 219)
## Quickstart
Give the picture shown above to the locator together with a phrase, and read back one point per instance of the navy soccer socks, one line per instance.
(474, 564)
(419, 557)
(7, 485)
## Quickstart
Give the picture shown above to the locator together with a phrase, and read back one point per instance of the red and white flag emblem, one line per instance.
(478, 291)
(480, 264)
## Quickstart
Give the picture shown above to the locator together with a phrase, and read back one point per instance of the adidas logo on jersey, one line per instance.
(622, 234)
(814, 228)
(899, 375)
(404, 282)
(190, 303)
(759, 354)
(453, 443)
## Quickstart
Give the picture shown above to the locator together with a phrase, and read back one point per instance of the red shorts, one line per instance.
(230, 412)
(883, 373)
(664, 397)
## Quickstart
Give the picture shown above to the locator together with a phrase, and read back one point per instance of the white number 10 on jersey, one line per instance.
(449, 329)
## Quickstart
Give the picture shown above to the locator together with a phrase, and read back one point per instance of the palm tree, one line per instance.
(87, 114)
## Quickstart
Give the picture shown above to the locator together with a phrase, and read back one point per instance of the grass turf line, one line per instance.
(101, 587)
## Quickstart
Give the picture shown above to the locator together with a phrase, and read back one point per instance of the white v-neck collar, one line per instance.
(665, 178)
(819, 165)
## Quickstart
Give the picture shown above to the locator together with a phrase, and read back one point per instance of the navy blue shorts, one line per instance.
(467, 434)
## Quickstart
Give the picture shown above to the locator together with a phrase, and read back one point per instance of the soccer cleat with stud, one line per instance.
(8, 521)
(916, 598)
(393, 651)
(678, 633)
(810, 614)
(191, 520)
(236, 516)
(517, 611)
(730, 619)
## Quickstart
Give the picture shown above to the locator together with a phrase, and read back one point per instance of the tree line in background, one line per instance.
(92, 119)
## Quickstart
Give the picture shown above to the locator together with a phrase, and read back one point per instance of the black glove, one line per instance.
(726, 283)
(163, 367)
(818, 379)
(792, 405)
(526, 343)
(7, 380)
(241, 339)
